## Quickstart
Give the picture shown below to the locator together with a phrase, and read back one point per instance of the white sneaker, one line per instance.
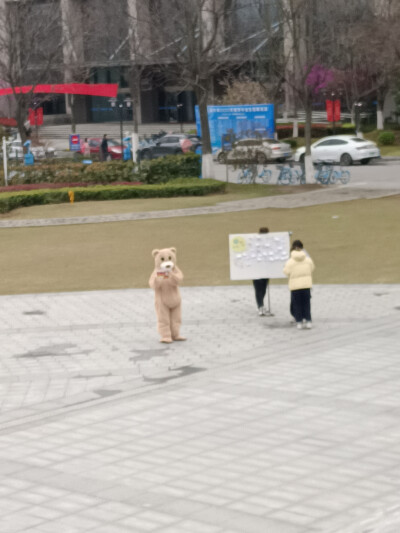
(261, 311)
(299, 325)
(308, 325)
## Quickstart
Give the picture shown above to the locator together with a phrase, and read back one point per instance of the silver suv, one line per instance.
(256, 150)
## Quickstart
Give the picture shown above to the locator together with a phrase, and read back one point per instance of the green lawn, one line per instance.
(350, 242)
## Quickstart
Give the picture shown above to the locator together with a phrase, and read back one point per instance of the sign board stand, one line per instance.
(269, 313)
(257, 256)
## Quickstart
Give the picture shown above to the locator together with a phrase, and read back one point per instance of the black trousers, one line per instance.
(300, 305)
(260, 289)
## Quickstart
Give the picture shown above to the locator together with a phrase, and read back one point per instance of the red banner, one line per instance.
(329, 110)
(336, 111)
(90, 89)
(36, 116)
(11, 122)
(332, 110)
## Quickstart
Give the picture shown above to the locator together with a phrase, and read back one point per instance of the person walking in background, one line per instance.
(260, 287)
(104, 148)
(86, 148)
(299, 269)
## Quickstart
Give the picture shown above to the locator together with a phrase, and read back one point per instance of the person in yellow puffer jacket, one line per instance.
(299, 269)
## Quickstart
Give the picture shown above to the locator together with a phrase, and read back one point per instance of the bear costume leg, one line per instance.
(176, 320)
(164, 323)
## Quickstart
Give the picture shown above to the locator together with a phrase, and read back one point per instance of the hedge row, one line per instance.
(317, 130)
(184, 187)
(154, 171)
(170, 167)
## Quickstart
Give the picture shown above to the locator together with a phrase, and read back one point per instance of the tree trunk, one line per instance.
(295, 133)
(207, 170)
(379, 114)
(71, 102)
(380, 102)
(379, 118)
(309, 169)
(21, 118)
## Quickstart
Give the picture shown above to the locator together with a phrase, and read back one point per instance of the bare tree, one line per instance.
(243, 90)
(31, 49)
(188, 40)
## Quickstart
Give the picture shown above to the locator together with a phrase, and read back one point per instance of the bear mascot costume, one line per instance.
(165, 280)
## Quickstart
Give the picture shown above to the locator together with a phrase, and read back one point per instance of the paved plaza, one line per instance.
(250, 426)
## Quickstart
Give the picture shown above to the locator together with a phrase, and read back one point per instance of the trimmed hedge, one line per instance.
(292, 142)
(317, 130)
(183, 187)
(170, 167)
(96, 173)
(386, 138)
(154, 171)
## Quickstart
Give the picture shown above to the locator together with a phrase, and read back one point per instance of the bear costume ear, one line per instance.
(154, 252)
(173, 250)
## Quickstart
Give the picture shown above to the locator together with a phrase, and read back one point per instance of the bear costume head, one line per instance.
(165, 259)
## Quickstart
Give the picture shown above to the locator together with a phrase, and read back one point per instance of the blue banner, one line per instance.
(229, 123)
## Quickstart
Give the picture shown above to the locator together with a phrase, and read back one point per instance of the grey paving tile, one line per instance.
(274, 435)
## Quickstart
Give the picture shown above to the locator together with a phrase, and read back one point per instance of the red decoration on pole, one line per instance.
(336, 111)
(36, 116)
(332, 110)
(329, 110)
(31, 116)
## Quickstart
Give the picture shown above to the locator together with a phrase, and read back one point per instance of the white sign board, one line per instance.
(258, 255)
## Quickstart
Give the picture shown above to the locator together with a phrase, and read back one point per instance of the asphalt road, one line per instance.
(379, 174)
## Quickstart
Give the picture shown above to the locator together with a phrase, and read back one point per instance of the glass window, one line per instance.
(324, 143)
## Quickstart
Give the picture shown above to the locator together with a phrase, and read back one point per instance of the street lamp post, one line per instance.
(333, 112)
(125, 104)
(358, 106)
(179, 108)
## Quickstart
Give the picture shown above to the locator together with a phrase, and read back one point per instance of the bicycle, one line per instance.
(286, 175)
(300, 174)
(342, 175)
(325, 172)
(247, 174)
(265, 174)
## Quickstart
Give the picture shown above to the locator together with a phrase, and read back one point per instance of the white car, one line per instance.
(15, 151)
(343, 149)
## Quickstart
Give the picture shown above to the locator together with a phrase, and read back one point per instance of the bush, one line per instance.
(386, 138)
(317, 130)
(183, 187)
(170, 167)
(292, 142)
(154, 171)
(68, 172)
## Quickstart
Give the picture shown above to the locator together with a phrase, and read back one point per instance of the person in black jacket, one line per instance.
(104, 148)
(260, 287)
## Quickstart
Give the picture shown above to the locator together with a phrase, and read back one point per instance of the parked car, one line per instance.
(343, 149)
(145, 148)
(256, 150)
(114, 148)
(170, 144)
(15, 150)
